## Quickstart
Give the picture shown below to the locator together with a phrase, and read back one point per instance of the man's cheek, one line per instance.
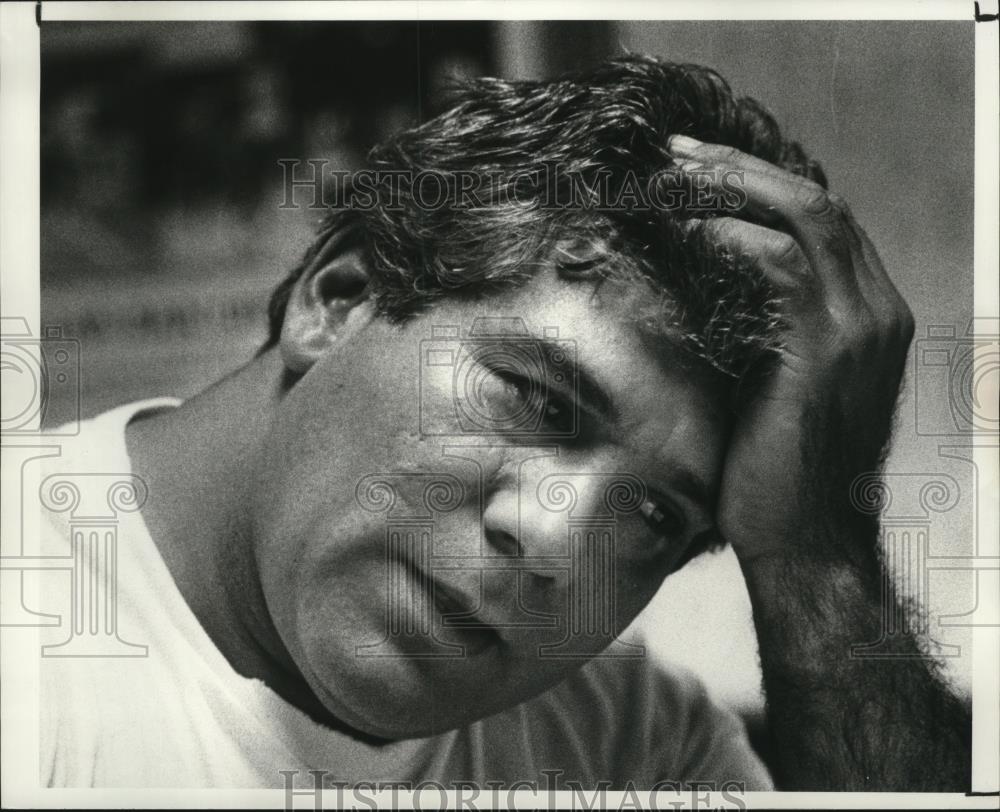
(635, 585)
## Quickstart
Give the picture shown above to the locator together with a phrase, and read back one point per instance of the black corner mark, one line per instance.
(38, 12)
(980, 17)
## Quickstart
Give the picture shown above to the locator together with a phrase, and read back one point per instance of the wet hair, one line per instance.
(563, 169)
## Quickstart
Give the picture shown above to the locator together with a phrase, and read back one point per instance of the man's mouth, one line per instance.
(460, 622)
(458, 617)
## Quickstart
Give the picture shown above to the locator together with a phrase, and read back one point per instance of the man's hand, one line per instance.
(821, 417)
(825, 411)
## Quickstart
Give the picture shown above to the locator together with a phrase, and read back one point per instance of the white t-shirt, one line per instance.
(180, 716)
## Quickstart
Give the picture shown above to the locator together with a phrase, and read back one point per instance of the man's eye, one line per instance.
(666, 523)
(555, 412)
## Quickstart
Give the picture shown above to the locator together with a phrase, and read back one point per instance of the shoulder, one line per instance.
(645, 722)
(624, 695)
(83, 473)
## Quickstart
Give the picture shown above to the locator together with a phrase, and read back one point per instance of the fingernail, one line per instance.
(682, 144)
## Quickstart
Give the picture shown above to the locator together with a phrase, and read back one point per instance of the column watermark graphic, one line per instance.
(93, 502)
(906, 505)
(592, 545)
(410, 503)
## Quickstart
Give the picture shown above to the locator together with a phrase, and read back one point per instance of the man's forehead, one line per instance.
(600, 321)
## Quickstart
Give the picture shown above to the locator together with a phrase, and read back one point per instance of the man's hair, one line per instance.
(534, 146)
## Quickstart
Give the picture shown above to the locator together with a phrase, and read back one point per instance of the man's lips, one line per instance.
(458, 613)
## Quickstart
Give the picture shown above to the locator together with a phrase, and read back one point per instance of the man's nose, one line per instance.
(536, 519)
(515, 529)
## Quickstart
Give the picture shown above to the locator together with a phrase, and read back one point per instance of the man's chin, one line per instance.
(379, 731)
(378, 712)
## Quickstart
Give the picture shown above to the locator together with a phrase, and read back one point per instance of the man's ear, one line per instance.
(330, 302)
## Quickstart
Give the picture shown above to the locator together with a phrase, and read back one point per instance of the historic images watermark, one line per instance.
(321, 789)
(313, 184)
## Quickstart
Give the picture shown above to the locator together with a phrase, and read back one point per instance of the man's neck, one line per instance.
(198, 461)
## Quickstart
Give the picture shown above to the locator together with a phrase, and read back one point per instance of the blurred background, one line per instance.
(163, 233)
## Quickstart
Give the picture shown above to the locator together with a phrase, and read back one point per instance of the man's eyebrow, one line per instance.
(596, 399)
(687, 482)
(584, 386)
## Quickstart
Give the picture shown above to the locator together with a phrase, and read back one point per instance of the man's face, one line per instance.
(451, 515)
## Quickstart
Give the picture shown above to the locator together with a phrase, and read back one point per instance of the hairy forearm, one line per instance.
(810, 418)
(840, 721)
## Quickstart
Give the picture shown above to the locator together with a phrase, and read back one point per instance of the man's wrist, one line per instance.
(810, 607)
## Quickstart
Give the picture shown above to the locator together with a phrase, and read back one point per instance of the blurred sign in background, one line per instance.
(163, 233)
(162, 219)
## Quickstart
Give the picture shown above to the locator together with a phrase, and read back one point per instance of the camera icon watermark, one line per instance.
(37, 371)
(967, 367)
(499, 380)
